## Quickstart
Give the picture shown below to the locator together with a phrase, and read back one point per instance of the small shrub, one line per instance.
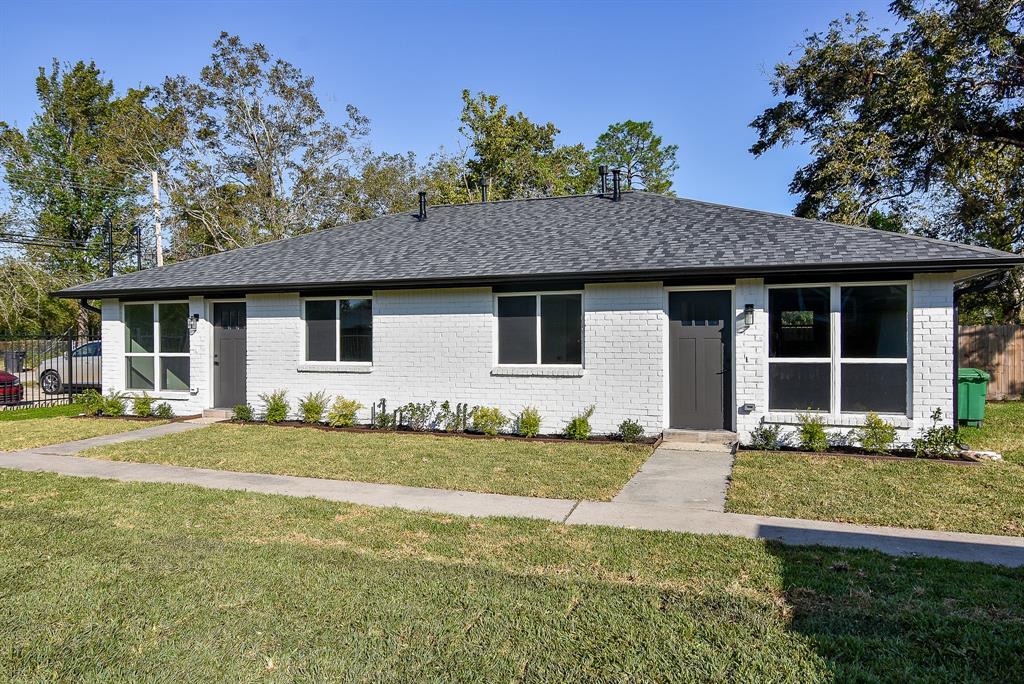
(938, 441)
(452, 419)
(488, 419)
(343, 412)
(418, 417)
(876, 435)
(579, 426)
(812, 433)
(528, 422)
(766, 437)
(382, 420)
(143, 405)
(163, 410)
(312, 406)
(276, 406)
(630, 430)
(114, 404)
(242, 412)
(91, 402)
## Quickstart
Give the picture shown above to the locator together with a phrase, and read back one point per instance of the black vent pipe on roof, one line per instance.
(602, 172)
(616, 190)
(423, 206)
(485, 184)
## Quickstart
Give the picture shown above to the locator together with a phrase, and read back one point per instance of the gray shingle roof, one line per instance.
(555, 238)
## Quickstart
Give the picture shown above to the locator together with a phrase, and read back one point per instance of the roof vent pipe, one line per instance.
(616, 191)
(423, 206)
(602, 172)
(485, 184)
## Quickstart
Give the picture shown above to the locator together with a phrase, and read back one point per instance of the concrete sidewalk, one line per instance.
(686, 518)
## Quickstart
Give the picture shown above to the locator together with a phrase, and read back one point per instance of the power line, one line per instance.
(61, 182)
(33, 243)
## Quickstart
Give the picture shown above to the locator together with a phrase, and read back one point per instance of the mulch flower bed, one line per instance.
(144, 419)
(603, 439)
(894, 455)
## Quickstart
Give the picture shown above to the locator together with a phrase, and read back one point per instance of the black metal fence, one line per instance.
(41, 371)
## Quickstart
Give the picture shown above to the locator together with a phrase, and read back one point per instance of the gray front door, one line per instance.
(228, 354)
(700, 382)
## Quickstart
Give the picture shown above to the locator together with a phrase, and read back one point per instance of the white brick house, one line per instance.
(674, 313)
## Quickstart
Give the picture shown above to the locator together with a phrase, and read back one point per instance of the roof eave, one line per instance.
(934, 266)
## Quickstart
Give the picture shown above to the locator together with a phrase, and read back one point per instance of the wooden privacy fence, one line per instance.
(998, 349)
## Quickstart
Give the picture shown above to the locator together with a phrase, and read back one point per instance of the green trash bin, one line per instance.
(972, 384)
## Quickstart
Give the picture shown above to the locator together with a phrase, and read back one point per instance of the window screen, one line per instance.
(879, 387)
(321, 330)
(874, 322)
(174, 328)
(799, 322)
(799, 386)
(140, 372)
(138, 320)
(356, 329)
(174, 373)
(517, 329)
(561, 328)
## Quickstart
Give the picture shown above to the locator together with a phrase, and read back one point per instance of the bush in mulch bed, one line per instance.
(840, 451)
(144, 419)
(469, 434)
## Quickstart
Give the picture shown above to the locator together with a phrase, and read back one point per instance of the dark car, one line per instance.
(11, 390)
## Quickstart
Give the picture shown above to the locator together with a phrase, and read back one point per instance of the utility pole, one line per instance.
(138, 246)
(156, 219)
(110, 249)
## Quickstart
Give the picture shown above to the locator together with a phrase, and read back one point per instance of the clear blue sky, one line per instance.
(699, 70)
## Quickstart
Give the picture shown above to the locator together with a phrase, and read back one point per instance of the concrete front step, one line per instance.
(699, 440)
(219, 414)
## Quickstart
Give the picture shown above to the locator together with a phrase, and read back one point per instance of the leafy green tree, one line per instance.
(518, 156)
(389, 183)
(71, 173)
(634, 147)
(261, 160)
(923, 126)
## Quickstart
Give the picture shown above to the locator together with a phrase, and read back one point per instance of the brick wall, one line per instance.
(440, 344)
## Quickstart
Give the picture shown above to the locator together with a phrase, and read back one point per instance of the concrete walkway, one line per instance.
(675, 477)
(691, 512)
(81, 445)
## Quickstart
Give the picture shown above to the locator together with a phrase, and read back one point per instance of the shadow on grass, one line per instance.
(875, 617)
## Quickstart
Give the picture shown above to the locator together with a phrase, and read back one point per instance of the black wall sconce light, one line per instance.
(748, 315)
(193, 323)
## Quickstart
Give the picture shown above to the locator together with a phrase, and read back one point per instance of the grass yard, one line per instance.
(40, 412)
(122, 581)
(987, 498)
(557, 470)
(36, 432)
(1002, 431)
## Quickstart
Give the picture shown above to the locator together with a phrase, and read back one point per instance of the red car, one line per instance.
(11, 390)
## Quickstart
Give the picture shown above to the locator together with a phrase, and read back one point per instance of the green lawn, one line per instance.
(1002, 431)
(41, 412)
(987, 498)
(563, 469)
(36, 432)
(121, 581)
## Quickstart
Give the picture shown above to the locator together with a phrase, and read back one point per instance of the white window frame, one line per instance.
(835, 358)
(156, 353)
(537, 363)
(304, 350)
